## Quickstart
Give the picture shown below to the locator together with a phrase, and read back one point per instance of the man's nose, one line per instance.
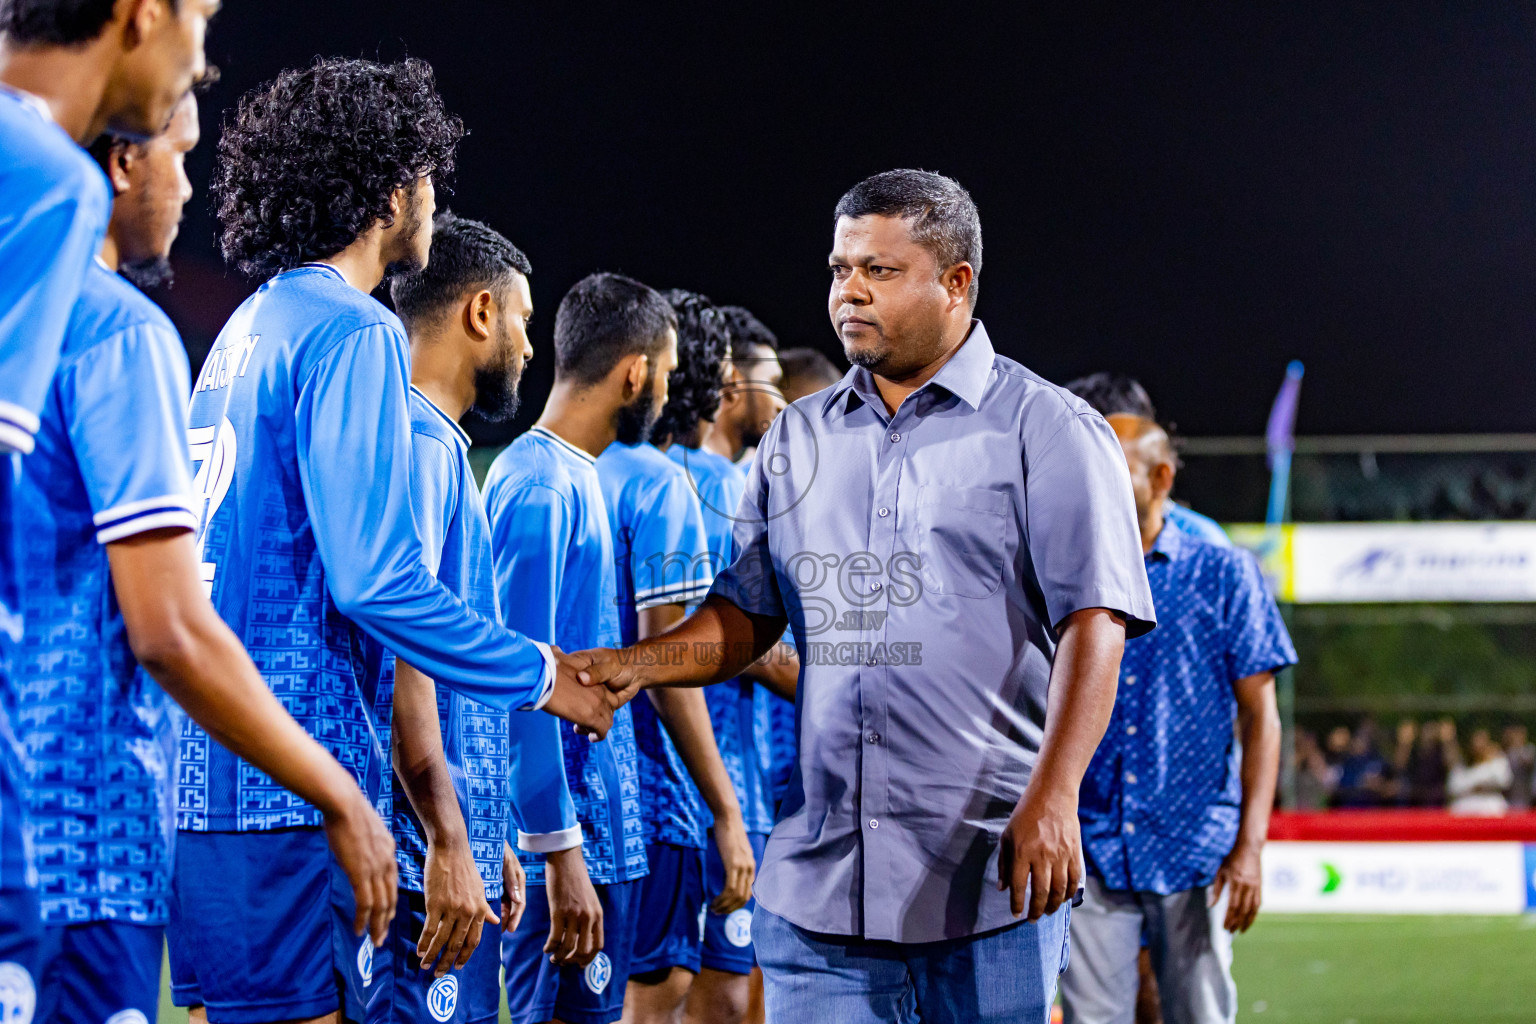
(853, 290)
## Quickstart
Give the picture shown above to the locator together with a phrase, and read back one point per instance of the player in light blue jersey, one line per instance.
(712, 412)
(110, 581)
(555, 570)
(300, 426)
(467, 315)
(662, 562)
(68, 70)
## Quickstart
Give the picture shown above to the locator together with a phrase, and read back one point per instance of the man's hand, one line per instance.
(740, 866)
(575, 914)
(457, 911)
(366, 852)
(1041, 854)
(617, 671)
(589, 707)
(1242, 876)
(514, 888)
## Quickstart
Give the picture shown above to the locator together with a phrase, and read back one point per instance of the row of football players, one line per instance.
(333, 519)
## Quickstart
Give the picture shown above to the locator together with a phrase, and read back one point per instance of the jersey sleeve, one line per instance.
(530, 534)
(669, 554)
(43, 259)
(124, 406)
(354, 455)
(434, 494)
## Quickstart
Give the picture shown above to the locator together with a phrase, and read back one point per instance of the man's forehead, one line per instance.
(873, 234)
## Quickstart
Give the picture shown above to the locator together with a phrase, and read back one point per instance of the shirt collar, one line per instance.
(458, 431)
(1169, 542)
(545, 432)
(32, 102)
(965, 375)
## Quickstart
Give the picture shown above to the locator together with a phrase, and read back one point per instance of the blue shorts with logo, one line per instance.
(728, 937)
(21, 919)
(261, 929)
(469, 995)
(100, 971)
(670, 932)
(538, 991)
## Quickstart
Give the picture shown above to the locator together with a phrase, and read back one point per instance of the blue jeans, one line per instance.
(1002, 977)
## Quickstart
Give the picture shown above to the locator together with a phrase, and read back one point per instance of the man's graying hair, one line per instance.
(940, 214)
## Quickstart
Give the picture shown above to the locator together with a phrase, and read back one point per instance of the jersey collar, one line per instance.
(457, 430)
(562, 442)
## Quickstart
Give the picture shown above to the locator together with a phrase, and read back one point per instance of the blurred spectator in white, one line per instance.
(1479, 787)
(1521, 754)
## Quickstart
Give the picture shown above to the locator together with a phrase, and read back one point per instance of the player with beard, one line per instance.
(555, 577)
(664, 564)
(467, 316)
(301, 427)
(751, 398)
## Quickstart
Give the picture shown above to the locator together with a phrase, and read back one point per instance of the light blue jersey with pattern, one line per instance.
(554, 572)
(110, 463)
(456, 539)
(661, 554)
(301, 432)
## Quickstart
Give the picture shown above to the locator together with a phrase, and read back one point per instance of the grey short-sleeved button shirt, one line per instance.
(923, 561)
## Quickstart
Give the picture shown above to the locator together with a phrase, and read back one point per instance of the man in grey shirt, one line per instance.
(954, 543)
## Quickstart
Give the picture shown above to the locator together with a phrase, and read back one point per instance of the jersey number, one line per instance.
(213, 452)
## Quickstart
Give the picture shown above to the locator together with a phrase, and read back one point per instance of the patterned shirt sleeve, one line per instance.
(1257, 640)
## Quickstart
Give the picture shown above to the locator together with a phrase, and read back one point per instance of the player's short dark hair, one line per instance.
(1114, 393)
(602, 319)
(56, 22)
(309, 160)
(807, 370)
(466, 256)
(747, 329)
(693, 389)
(939, 212)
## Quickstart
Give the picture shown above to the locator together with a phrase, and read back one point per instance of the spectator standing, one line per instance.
(1363, 772)
(1314, 779)
(1428, 764)
(1521, 754)
(1479, 788)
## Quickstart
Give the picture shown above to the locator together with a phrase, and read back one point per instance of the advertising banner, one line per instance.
(1397, 878)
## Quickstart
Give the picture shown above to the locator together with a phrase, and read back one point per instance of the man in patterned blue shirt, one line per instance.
(663, 565)
(111, 581)
(467, 315)
(1175, 804)
(555, 575)
(300, 422)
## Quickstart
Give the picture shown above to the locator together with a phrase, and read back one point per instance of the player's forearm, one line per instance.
(685, 714)
(1082, 695)
(779, 670)
(419, 759)
(715, 643)
(1259, 727)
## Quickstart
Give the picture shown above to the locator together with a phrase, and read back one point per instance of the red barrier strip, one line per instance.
(1400, 826)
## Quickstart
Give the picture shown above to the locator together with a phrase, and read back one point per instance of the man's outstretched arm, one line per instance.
(716, 642)
(181, 641)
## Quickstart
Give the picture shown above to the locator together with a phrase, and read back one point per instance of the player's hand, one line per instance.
(457, 911)
(1242, 876)
(616, 671)
(1041, 855)
(589, 708)
(514, 889)
(575, 914)
(366, 852)
(740, 866)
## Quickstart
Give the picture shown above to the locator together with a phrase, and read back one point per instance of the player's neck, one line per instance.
(361, 264)
(1152, 524)
(583, 417)
(71, 82)
(718, 438)
(109, 253)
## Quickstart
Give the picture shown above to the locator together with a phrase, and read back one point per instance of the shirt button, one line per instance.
(876, 585)
(874, 737)
(873, 823)
(1130, 828)
(1130, 730)
(895, 439)
(884, 512)
(1130, 777)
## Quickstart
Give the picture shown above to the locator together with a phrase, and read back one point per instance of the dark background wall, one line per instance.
(1192, 194)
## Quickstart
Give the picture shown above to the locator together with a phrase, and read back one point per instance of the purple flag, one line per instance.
(1280, 435)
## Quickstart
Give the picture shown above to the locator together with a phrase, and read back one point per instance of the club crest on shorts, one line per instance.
(703, 920)
(738, 927)
(18, 996)
(127, 1017)
(365, 961)
(443, 998)
(598, 973)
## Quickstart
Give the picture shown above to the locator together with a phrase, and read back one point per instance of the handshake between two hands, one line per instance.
(590, 686)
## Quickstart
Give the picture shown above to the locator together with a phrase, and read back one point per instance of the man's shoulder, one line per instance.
(314, 305)
(1044, 399)
(107, 306)
(41, 164)
(529, 461)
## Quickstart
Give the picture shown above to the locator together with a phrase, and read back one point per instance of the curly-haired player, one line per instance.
(301, 429)
(693, 389)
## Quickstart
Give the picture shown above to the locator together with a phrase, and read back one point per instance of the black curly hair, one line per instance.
(693, 389)
(308, 161)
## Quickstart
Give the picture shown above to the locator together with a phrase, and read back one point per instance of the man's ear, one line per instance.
(478, 311)
(634, 375)
(120, 160)
(140, 17)
(957, 283)
(1162, 479)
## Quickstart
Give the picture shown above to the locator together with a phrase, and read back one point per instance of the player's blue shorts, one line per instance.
(728, 937)
(100, 971)
(538, 991)
(261, 930)
(670, 930)
(21, 922)
(469, 995)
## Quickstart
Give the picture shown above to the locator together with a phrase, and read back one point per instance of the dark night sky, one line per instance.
(1193, 196)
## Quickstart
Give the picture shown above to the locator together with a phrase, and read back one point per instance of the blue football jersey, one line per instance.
(301, 434)
(110, 462)
(456, 539)
(554, 576)
(661, 554)
(739, 708)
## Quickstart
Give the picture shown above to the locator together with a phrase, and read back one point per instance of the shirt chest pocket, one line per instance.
(962, 539)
